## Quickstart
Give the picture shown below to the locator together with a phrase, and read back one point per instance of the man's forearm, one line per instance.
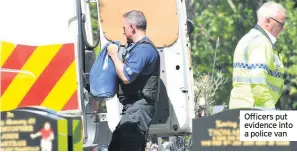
(119, 65)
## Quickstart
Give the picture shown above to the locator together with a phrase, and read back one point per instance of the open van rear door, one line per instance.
(168, 30)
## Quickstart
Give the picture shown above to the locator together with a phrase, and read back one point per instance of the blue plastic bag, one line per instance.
(103, 76)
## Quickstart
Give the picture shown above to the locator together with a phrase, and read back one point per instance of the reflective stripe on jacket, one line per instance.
(257, 72)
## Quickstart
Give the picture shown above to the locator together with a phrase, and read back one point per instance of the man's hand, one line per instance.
(32, 136)
(112, 50)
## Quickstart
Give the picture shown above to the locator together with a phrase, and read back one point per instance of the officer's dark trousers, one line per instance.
(131, 133)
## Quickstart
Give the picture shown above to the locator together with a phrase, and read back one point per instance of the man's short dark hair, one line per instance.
(137, 18)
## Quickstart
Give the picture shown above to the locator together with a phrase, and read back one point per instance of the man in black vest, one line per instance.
(138, 72)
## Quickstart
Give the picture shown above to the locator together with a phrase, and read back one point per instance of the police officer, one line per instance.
(257, 68)
(139, 84)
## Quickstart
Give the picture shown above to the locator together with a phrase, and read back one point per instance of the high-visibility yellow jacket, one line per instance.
(257, 72)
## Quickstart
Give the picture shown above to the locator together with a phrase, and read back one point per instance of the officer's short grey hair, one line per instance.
(137, 18)
(269, 9)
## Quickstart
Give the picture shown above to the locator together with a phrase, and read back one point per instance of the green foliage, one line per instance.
(230, 20)
(94, 17)
(94, 21)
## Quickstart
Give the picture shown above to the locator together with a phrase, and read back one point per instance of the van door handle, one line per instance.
(184, 90)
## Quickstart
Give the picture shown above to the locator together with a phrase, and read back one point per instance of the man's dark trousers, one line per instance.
(131, 133)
